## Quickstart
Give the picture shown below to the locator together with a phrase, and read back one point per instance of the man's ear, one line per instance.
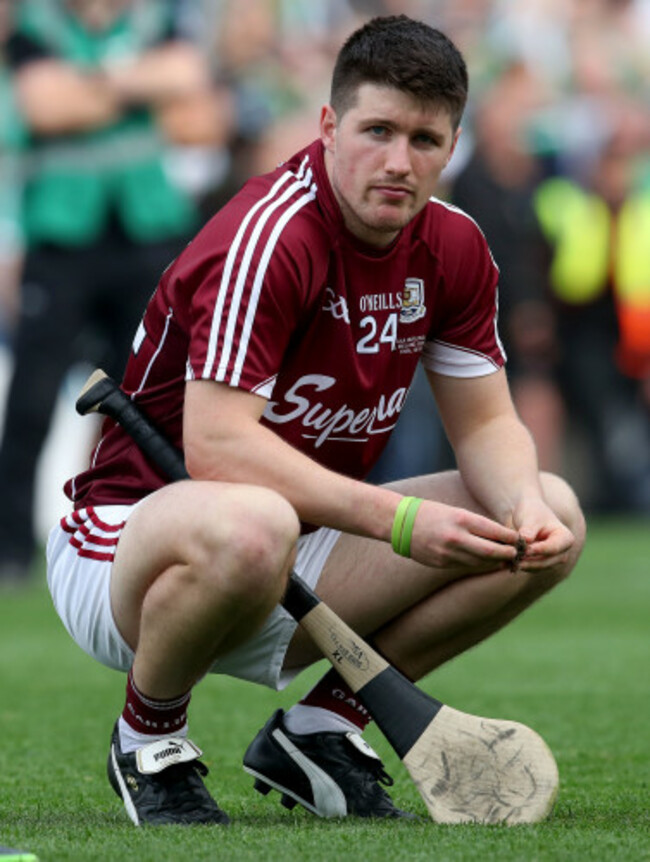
(453, 144)
(328, 127)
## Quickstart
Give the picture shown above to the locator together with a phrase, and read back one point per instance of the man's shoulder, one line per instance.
(275, 208)
(272, 224)
(441, 215)
(449, 231)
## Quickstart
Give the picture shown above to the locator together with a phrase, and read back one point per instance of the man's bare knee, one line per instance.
(247, 552)
(562, 499)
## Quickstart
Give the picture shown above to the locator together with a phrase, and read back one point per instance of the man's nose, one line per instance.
(398, 156)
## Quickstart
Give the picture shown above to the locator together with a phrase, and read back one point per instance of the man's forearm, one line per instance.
(56, 98)
(160, 75)
(499, 466)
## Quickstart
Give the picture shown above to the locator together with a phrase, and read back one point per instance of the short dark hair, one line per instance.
(397, 51)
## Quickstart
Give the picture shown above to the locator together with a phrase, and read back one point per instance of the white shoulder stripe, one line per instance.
(459, 211)
(232, 256)
(156, 353)
(454, 209)
(245, 265)
(495, 324)
(259, 278)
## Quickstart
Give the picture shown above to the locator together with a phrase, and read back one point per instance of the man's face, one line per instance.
(384, 157)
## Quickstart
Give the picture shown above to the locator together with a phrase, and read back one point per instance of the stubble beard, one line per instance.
(365, 221)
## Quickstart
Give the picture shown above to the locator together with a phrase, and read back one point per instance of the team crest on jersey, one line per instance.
(413, 307)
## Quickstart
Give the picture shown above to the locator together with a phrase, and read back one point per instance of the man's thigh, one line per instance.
(201, 524)
(367, 584)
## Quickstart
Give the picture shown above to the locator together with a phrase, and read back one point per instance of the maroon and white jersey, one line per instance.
(275, 296)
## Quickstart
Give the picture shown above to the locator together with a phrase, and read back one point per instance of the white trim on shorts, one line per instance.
(80, 552)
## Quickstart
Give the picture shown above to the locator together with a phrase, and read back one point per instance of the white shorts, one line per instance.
(80, 552)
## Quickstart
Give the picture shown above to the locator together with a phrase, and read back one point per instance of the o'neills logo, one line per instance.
(339, 423)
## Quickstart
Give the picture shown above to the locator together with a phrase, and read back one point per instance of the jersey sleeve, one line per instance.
(464, 341)
(256, 288)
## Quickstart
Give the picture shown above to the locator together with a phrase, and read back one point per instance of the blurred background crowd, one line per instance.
(124, 124)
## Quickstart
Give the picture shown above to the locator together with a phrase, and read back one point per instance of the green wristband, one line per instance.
(398, 523)
(403, 525)
(407, 530)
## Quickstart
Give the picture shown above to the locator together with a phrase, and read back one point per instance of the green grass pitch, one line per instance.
(576, 667)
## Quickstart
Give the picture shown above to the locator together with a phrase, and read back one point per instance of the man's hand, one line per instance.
(547, 539)
(452, 538)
